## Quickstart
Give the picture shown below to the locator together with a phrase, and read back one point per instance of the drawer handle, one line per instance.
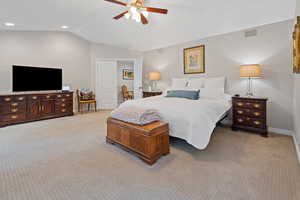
(14, 110)
(63, 100)
(21, 98)
(257, 113)
(68, 95)
(7, 99)
(256, 105)
(240, 104)
(14, 117)
(257, 122)
(240, 120)
(240, 112)
(47, 96)
(63, 105)
(63, 110)
(14, 104)
(34, 97)
(58, 96)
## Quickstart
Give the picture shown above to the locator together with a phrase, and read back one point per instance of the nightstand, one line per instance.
(151, 94)
(250, 114)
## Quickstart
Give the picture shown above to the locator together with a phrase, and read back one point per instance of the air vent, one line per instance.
(251, 33)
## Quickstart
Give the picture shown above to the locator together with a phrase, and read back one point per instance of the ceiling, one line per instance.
(187, 19)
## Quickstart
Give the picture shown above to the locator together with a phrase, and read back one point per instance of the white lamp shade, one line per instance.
(154, 76)
(253, 71)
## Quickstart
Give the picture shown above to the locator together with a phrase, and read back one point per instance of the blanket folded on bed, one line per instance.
(136, 115)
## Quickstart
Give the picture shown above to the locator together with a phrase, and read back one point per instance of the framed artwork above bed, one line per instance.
(194, 60)
(296, 47)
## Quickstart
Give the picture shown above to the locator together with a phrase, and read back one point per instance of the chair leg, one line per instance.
(95, 106)
(89, 105)
(78, 107)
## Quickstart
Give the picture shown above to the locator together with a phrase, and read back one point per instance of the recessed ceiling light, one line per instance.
(64, 27)
(9, 24)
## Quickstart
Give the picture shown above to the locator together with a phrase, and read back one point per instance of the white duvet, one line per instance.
(190, 120)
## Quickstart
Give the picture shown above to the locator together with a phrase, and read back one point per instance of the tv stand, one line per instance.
(28, 107)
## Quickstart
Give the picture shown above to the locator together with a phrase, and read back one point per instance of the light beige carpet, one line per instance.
(68, 159)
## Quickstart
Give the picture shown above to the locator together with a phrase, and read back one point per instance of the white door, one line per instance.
(106, 85)
(138, 78)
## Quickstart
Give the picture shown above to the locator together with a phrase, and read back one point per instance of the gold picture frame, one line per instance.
(296, 47)
(194, 60)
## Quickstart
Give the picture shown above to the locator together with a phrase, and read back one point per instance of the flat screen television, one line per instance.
(36, 79)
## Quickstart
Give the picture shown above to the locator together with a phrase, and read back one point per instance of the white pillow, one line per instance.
(215, 83)
(212, 93)
(179, 83)
(196, 83)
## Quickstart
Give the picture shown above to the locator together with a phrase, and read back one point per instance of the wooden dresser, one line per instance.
(250, 113)
(151, 94)
(21, 108)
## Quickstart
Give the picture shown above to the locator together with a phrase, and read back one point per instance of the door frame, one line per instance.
(136, 63)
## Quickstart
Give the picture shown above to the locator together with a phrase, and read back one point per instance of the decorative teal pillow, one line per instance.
(187, 94)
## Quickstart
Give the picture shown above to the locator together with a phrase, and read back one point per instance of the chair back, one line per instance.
(83, 95)
(125, 91)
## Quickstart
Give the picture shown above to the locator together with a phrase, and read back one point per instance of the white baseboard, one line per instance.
(297, 147)
(281, 131)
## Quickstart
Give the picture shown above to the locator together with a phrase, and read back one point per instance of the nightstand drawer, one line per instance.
(250, 122)
(250, 105)
(250, 112)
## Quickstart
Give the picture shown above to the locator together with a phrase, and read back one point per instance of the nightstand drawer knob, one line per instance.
(257, 122)
(240, 120)
(256, 105)
(257, 113)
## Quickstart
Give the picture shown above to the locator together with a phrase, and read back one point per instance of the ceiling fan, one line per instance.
(137, 11)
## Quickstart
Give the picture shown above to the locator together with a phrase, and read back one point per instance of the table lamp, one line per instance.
(154, 77)
(250, 72)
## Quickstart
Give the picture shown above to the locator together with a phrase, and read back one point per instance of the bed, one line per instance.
(190, 120)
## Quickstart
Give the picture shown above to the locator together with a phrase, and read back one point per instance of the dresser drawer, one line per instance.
(13, 117)
(9, 99)
(64, 110)
(250, 112)
(250, 105)
(10, 108)
(34, 98)
(48, 96)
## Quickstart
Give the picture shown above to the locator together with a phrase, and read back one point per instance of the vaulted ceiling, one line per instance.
(187, 19)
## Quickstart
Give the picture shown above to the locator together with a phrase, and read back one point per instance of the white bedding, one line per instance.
(191, 120)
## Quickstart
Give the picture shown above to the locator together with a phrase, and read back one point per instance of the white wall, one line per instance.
(225, 53)
(46, 49)
(129, 83)
(297, 96)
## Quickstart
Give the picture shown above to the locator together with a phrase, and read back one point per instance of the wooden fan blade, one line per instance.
(144, 19)
(117, 2)
(120, 15)
(157, 10)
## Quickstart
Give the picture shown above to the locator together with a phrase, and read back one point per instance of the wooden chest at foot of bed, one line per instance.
(149, 142)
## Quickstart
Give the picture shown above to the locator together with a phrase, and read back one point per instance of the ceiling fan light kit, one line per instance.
(137, 11)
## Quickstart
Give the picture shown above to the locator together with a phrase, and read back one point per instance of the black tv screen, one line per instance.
(36, 79)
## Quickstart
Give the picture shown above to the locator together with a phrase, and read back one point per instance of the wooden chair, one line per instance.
(83, 101)
(127, 95)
